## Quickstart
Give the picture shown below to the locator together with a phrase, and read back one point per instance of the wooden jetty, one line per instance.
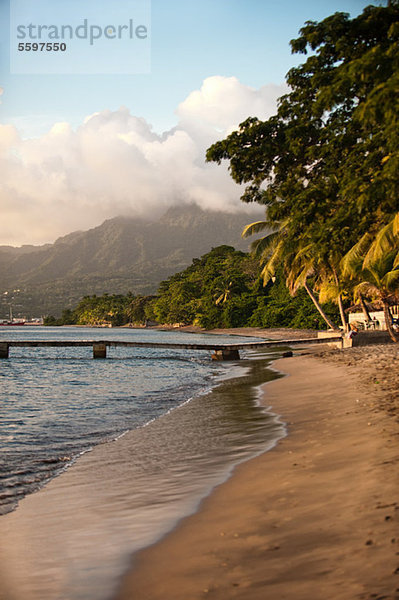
(219, 351)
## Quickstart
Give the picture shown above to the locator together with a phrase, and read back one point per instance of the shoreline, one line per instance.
(79, 523)
(245, 557)
(314, 517)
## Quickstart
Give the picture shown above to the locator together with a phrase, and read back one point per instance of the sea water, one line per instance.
(181, 423)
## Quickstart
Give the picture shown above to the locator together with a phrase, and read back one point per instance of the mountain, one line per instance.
(123, 254)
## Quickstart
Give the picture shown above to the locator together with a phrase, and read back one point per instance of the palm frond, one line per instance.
(294, 283)
(365, 288)
(272, 263)
(373, 274)
(396, 224)
(352, 262)
(328, 290)
(263, 246)
(385, 243)
(220, 299)
(305, 252)
(267, 273)
(274, 254)
(298, 274)
(391, 280)
(253, 228)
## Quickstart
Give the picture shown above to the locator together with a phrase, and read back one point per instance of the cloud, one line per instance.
(224, 102)
(114, 163)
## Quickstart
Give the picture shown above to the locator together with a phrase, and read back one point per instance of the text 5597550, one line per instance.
(41, 47)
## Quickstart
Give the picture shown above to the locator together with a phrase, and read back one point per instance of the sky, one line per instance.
(84, 139)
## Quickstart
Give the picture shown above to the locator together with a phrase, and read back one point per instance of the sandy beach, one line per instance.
(314, 518)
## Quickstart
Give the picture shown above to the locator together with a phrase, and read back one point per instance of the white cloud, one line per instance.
(115, 164)
(224, 102)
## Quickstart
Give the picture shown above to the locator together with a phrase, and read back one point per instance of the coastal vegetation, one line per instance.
(326, 166)
(223, 288)
(374, 265)
(121, 254)
(326, 170)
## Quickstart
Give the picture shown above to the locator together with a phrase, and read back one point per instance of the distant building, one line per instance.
(376, 312)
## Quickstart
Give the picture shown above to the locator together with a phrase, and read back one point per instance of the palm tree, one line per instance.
(278, 248)
(226, 293)
(374, 263)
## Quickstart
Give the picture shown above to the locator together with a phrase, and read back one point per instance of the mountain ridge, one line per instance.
(120, 255)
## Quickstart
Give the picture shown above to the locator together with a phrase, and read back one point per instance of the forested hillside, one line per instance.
(121, 255)
(223, 288)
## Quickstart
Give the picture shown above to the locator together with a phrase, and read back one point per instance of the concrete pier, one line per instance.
(367, 338)
(219, 351)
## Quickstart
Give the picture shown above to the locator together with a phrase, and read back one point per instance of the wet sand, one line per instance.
(316, 518)
(74, 538)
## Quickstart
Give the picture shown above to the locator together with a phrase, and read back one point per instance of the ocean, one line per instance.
(152, 431)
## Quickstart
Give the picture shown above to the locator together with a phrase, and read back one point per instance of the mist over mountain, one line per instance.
(114, 162)
(123, 254)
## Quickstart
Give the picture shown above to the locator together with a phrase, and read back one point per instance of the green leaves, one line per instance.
(217, 290)
(374, 262)
(334, 127)
(253, 228)
(326, 166)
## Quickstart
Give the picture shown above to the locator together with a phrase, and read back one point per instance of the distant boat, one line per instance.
(12, 322)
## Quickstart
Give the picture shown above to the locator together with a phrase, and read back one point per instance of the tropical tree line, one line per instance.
(109, 309)
(223, 288)
(326, 166)
(326, 169)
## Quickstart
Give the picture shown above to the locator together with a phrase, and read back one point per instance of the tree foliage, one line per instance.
(374, 265)
(326, 166)
(223, 288)
(95, 310)
(217, 290)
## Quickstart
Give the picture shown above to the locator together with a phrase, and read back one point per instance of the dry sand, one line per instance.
(316, 518)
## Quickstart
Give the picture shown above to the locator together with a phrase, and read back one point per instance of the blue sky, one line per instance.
(191, 40)
(76, 149)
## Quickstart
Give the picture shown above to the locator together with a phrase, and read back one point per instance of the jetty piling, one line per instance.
(4, 349)
(99, 350)
(226, 354)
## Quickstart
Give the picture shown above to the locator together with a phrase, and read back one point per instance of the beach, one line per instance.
(182, 424)
(314, 518)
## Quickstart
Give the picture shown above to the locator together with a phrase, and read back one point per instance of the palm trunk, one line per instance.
(317, 305)
(342, 313)
(365, 310)
(340, 304)
(388, 321)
